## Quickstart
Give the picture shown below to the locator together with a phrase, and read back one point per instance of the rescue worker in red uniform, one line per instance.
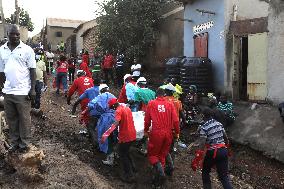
(81, 84)
(122, 95)
(84, 65)
(126, 137)
(164, 120)
(107, 65)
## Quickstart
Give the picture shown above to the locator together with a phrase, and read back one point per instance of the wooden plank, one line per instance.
(250, 26)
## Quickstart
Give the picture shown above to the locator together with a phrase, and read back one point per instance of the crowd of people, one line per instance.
(108, 119)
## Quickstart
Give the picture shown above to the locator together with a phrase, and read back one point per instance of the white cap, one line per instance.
(136, 67)
(126, 76)
(142, 80)
(136, 73)
(170, 87)
(81, 72)
(102, 86)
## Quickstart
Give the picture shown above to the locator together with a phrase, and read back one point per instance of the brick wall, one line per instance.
(89, 42)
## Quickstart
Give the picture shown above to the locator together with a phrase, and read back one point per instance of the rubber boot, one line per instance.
(169, 165)
(160, 177)
(109, 160)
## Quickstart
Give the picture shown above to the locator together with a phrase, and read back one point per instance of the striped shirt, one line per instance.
(213, 131)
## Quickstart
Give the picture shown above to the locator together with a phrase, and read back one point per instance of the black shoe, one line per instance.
(169, 171)
(128, 178)
(13, 148)
(24, 149)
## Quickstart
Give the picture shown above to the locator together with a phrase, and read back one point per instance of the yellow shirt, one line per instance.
(40, 68)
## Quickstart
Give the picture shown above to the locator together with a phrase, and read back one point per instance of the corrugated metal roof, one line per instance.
(67, 23)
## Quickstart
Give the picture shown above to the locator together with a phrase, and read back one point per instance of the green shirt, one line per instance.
(144, 95)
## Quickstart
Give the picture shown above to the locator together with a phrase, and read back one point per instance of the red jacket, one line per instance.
(163, 115)
(85, 58)
(80, 85)
(84, 66)
(62, 67)
(127, 132)
(122, 95)
(108, 61)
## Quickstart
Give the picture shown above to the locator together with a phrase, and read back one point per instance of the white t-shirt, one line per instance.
(16, 64)
(135, 69)
(40, 68)
(49, 56)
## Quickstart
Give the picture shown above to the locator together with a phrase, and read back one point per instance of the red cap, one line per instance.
(112, 101)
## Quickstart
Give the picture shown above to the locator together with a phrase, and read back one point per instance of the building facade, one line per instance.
(71, 45)
(170, 37)
(58, 30)
(234, 38)
(80, 30)
(89, 40)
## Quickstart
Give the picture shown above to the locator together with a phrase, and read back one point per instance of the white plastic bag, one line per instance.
(138, 118)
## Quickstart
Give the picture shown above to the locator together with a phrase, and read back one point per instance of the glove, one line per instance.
(107, 133)
(68, 100)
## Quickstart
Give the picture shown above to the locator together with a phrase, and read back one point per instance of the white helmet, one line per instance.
(142, 80)
(81, 72)
(170, 87)
(126, 76)
(103, 86)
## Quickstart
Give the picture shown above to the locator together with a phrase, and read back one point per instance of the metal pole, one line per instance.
(17, 12)
(3, 19)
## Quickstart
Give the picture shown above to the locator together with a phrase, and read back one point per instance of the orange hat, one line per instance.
(112, 101)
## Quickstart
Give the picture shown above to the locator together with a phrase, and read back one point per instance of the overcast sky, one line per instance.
(39, 10)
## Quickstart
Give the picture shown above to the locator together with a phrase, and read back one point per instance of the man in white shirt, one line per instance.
(136, 69)
(18, 71)
(49, 57)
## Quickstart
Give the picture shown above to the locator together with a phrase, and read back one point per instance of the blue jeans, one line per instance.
(38, 87)
(134, 107)
(221, 162)
(61, 78)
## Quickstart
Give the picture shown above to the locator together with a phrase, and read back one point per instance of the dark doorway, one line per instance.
(201, 45)
(243, 69)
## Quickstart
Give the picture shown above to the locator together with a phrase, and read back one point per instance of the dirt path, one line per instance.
(71, 161)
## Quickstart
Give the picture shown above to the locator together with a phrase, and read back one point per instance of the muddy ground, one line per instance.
(71, 161)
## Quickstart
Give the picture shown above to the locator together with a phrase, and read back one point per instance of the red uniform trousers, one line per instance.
(85, 117)
(159, 146)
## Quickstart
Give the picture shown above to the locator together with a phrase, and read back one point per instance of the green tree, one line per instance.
(128, 25)
(24, 20)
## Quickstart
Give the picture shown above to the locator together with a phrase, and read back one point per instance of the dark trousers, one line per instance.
(49, 67)
(61, 77)
(17, 109)
(108, 72)
(38, 87)
(71, 76)
(125, 158)
(92, 129)
(119, 70)
(221, 162)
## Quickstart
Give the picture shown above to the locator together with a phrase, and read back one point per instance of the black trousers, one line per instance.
(221, 162)
(125, 158)
(71, 74)
(108, 72)
(119, 75)
(92, 130)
